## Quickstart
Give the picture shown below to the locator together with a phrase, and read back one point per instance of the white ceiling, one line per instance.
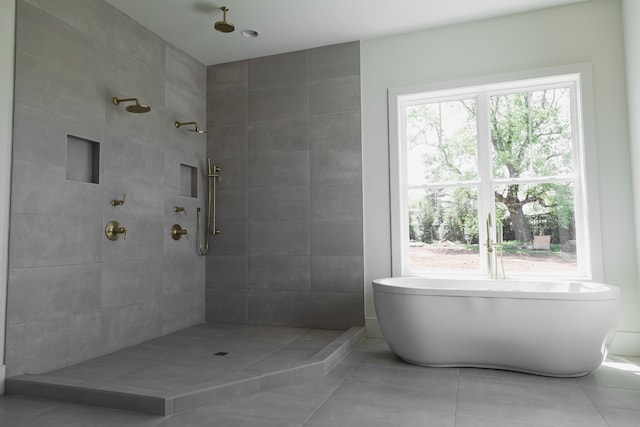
(290, 25)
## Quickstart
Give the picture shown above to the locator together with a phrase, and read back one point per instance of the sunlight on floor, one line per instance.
(622, 366)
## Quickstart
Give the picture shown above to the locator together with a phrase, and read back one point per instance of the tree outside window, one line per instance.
(512, 153)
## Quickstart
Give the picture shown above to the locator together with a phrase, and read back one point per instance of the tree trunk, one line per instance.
(519, 223)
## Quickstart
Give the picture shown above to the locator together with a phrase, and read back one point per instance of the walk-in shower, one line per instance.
(213, 173)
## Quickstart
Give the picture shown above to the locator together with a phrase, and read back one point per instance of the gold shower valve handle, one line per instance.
(180, 209)
(177, 232)
(115, 202)
(113, 230)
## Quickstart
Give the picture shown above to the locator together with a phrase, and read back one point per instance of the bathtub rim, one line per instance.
(398, 285)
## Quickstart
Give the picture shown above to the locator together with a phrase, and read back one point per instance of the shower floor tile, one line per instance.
(200, 364)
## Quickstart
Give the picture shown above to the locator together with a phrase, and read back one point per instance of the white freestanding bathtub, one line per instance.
(545, 328)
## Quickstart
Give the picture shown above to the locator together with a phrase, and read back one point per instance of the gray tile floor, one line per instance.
(184, 360)
(371, 387)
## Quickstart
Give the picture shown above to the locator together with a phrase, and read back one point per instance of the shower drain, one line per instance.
(221, 353)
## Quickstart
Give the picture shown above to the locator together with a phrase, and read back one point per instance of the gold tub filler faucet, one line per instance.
(494, 249)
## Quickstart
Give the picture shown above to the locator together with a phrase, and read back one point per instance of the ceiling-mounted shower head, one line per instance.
(195, 127)
(224, 26)
(135, 108)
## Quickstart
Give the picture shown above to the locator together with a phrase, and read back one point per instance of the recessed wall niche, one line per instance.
(83, 160)
(188, 180)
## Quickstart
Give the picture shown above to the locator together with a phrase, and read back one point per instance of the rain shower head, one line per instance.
(195, 127)
(134, 108)
(224, 26)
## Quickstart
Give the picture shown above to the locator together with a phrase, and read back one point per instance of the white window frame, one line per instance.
(586, 190)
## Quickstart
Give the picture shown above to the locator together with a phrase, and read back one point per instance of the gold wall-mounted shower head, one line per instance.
(195, 125)
(224, 26)
(138, 107)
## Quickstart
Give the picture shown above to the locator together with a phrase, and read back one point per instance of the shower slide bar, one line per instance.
(213, 172)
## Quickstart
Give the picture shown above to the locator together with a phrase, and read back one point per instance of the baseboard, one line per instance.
(3, 376)
(626, 344)
(372, 327)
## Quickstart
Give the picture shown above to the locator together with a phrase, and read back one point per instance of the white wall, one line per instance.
(584, 32)
(631, 17)
(7, 35)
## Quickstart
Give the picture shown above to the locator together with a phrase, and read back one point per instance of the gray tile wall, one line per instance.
(285, 130)
(73, 294)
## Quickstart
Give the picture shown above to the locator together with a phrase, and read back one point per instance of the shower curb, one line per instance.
(157, 402)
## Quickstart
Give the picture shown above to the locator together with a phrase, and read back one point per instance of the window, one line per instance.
(494, 168)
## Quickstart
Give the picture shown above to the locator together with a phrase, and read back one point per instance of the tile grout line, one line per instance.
(580, 386)
(455, 406)
(337, 386)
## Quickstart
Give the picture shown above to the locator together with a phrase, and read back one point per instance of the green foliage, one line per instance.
(530, 137)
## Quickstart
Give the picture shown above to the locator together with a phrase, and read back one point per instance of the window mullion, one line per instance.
(486, 204)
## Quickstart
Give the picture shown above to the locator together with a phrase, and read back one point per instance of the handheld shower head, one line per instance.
(195, 129)
(224, 26)
(135, 108)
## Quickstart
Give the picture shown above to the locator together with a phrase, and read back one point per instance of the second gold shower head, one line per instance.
(195, 126)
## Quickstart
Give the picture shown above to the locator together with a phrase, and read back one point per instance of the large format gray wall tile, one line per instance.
(227, 141)
(132, 78)
(334, 96)
(45, 293)
(37, 347)
(334, 61)
(42, 189)
(233, 205)
(336, 237)
(279, 169)
(335, 273)
(335, 167)
(74, 294)
(227, 272)
(278, 70)
(232, 240)
(225, 108)
(49, 39)
(122, 285)
(336, 202)
(174, 278)
(279, 135)
(131, 324)
(48, 240)
(279, 272)
(134, 40)
(279, 203)
(65, 93)
(182, 309)
(279, 238)
(231, 77)
(279, 103)
(185, 105)
(181, 67)
(233, 171)
(231, 306)
(278, 308)
(87, 16)
(335, 131)
(298, 162)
